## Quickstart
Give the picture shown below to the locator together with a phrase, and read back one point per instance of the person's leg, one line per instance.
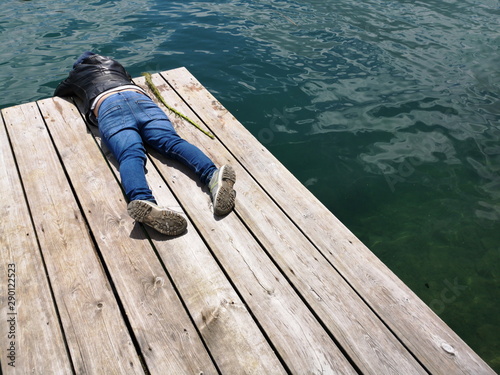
(120, 133)
(118, 126)
(159, 133)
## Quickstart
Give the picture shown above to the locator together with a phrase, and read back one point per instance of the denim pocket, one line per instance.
(103, 112)
(149, 108)
(110, 120)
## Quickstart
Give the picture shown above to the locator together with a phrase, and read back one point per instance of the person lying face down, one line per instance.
(128, 120)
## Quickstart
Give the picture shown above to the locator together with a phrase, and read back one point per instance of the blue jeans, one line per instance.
(127, 121)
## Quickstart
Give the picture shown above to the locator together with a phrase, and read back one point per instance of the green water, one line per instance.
(387, 110)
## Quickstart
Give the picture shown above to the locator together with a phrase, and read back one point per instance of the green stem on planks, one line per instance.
(157, 93)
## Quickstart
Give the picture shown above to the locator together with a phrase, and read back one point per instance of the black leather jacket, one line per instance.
(93, 74)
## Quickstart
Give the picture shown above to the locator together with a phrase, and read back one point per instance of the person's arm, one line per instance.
(65, 88)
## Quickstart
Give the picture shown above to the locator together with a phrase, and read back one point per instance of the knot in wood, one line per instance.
(152, 285)
(448, 348)
(158, 282)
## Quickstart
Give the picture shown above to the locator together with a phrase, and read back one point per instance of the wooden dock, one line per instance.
(278, 286)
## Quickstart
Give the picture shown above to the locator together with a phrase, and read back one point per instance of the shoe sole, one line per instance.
(226, 196)
(161, 219)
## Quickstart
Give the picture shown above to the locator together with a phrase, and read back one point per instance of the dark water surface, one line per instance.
(387, 110)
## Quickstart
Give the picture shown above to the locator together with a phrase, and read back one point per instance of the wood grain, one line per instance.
(93, 325)
(165, 334)
(35, 339)
(231, 335)
(298, 337)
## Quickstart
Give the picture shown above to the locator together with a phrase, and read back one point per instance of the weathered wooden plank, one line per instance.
(363, 336)
(296, 335)
(168, 340)
(302, 343)
(231, 335)
(29, 325)
(360, 332)
(95, 331)
(429, 339)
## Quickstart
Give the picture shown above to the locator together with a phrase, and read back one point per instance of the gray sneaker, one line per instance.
(162, 219)
(221, 189)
